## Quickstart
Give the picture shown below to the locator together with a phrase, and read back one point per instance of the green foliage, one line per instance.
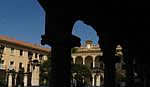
(120, 75)
(44, 68)
(81, 71)
(2, 78)
(73, 50)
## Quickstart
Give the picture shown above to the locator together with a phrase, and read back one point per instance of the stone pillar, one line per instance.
(107, 44)
(60, 73)
(93, 79)
(25, 80)
(13, 80)
(10, 80)
(83, 59)
(58, 35)
(74, 60)
(129, 66)
(109, 71)
(35, 76)
(94, 61)
(98, 82)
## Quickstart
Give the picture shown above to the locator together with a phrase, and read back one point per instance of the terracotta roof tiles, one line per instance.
(22, 43)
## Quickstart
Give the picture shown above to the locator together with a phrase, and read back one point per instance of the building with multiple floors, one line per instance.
(20, 57)
(92, 56)
(24, 58)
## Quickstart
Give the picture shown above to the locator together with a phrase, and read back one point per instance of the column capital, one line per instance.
(93, 57)
(93, 74)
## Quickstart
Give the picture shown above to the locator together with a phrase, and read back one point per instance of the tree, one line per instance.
(82, 72)
(73, 50)
(44, 68)
(120, 75)
(2, 77)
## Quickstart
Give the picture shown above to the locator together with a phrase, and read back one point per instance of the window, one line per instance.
(30, 54)
(40, 56)
(11, 62)
(12, 50)
(28, 68)
(11, 65)
(20, 65)
(1, 49)
(36, 55)
(21, 52)
(2, 61)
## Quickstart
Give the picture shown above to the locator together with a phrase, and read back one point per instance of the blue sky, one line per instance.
(24, 20)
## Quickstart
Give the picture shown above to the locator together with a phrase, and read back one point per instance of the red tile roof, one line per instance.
(22, 43)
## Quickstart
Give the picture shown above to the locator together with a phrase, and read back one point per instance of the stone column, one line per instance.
(74, 59)
(25, 80)
(129, 66)
(60, 73)
(107, 44)
(98, 81)
(35, 76)
(93, 79)
(83, 59)
(109, 70)
(58, 35)
(13, 80)
(10, 80)
(93, 61)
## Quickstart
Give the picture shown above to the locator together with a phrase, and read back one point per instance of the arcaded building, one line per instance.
(19, 55)
(92, 56)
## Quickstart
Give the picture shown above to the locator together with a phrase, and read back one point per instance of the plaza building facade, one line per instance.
(21, 61)
(92, 56)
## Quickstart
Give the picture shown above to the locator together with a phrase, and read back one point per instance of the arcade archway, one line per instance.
(79, 60)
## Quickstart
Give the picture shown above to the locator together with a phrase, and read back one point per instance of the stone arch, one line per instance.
(101, 79)
(97, 78)
(89, 61)
(79, 60)
(99, 62)
(92, 20)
